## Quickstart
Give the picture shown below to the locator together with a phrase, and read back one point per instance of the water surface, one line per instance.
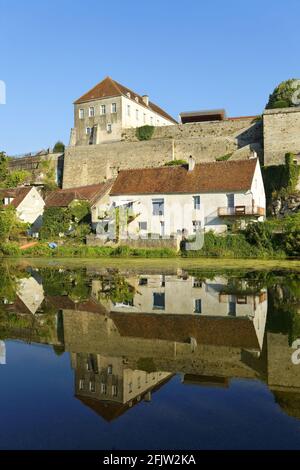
(148, 355)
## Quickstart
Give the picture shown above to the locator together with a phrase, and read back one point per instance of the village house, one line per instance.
(102, 113)
(96, 194)
(173, 200)
(28, 203)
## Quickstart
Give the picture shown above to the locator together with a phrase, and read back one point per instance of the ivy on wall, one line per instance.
(281, 179)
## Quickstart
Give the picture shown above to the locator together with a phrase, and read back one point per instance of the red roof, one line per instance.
(236, 175)
(91, 193)
(217, 331)
(109, 87)
(18, 194)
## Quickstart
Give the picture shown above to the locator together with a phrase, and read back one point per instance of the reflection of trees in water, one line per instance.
(284, 307)
(116, 289)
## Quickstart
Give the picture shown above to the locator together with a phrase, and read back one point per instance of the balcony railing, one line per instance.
(240, 211)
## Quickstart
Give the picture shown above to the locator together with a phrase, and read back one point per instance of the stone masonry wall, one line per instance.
(281, 129)
(205, 141)
(226, 128)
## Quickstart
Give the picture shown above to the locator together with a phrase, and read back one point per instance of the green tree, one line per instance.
(285, 95)
(59, 147)
(8, 178)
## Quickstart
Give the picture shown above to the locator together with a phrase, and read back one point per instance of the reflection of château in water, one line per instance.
(129, 337)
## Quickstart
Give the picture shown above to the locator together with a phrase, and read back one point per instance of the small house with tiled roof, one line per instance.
(28, 203)
(106, 109)
(96, 194)
(171, 200)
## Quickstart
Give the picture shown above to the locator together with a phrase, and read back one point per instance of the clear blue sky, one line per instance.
(187, 55)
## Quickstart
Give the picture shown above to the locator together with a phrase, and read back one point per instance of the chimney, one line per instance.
(253, 154)
(145, 98)
(191, 162)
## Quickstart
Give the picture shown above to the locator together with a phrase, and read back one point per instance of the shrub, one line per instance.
(10, 249)
(224, 158)
(59, 147)
(144, 132)
(176, 162)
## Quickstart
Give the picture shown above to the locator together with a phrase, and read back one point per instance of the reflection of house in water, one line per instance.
(187, 295)
(31, 293)
(109, 387)
(126, 344)
(2, 353)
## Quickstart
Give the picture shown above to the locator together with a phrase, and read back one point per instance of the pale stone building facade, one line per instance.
(102, 113)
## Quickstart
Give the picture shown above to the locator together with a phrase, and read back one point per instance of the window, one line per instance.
(142, 225)
(114, 390)
(137, 114)
(143, 281)
(109, 369)
(81, 384)
(158, 206)
(91, 111)
(159, 300)
(81, 113)
(198, 306)
(232, 309)
(196, 202)
(114, 107)
(157, 122)
(128, 110)
(103, 388)
(109, 128)
(144, 118)
(139, 382)
(88, 130)
(151, 121)
(92, 386)
(197, 283)
(196, 225)
(130, 387)
(230, 200)
(102, 109)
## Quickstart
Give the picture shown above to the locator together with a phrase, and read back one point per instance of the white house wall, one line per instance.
(31, 209)
(179, 212)
(145, 115)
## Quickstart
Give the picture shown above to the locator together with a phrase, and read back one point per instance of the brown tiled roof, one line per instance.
(109, 87)
(91, 193)
(217, 331)
(17, 193)
(63, 302)
(233, 175)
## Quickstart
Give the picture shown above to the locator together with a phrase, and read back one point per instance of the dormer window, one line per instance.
(136, 99)
(128, 95)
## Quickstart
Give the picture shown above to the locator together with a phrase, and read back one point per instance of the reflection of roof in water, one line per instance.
(110, 410)
(234, 332)
(62, 302)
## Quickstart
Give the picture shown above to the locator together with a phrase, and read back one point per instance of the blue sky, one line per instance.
(187, 55)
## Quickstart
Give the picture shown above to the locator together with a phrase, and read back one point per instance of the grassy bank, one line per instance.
(233, 246)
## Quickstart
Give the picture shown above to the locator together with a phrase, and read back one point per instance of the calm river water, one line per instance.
(128, 357)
